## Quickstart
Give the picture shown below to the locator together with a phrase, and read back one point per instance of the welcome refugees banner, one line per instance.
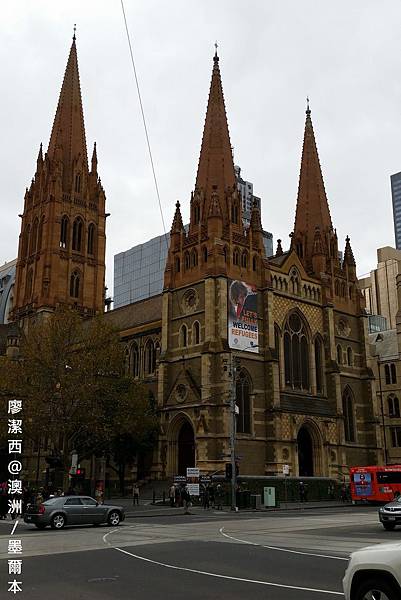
(242, 316)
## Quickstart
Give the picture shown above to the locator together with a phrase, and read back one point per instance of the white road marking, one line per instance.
(280, 549)
(218, 575)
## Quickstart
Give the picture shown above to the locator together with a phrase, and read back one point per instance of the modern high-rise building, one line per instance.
(139, 271)
(245, 188)
(396, 196)
(380, 289)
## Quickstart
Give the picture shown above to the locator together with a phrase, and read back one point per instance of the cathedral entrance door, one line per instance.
(305, 453)
(186, 448)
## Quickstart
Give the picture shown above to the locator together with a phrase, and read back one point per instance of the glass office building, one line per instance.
(396, 196)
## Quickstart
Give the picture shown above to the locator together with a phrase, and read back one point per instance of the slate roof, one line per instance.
(137, 313)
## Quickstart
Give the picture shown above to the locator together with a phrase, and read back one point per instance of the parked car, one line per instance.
(390, 514)
(72, 510)
(374, 573)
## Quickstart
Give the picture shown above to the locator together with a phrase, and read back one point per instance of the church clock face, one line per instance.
(190, 301)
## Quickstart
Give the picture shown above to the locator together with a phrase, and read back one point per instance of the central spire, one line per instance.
(67, 139)
(312, 205)
(216, 166)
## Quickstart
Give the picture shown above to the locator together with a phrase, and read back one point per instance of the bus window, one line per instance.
(389, 476)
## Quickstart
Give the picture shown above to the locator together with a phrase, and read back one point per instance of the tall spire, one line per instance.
(216, 167)
(312, 205)
(68, 133)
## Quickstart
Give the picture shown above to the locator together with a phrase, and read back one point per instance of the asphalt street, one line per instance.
(281, 556)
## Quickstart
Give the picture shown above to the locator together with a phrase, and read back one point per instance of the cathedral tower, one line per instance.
(217, 242)
(314, 239)
(61, 254)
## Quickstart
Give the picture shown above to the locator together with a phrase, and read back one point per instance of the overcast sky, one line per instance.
(344, 55)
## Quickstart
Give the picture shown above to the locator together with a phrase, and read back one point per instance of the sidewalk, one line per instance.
(157, 510)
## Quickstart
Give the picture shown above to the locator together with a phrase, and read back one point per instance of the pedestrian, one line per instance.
(211, 495)
(39, 497)
(219, 497)
(302, 493)
(135, 494)
(186, 496)
(177, 496)
(171, 495)
(343, 493)
(70, 491)
(206, 498)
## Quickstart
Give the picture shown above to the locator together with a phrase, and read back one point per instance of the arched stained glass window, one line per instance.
(296, 353)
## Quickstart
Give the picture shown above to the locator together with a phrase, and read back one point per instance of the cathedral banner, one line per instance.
(242, 316)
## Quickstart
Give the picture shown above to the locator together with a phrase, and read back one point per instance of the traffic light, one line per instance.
(229, 471)
(80, 472)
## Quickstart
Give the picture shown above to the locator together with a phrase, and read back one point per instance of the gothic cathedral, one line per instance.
(286, 334)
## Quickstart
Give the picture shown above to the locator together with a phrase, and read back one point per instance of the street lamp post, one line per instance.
(382, 412)
(233, 429)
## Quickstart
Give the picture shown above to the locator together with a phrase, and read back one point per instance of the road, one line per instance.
(286, 555)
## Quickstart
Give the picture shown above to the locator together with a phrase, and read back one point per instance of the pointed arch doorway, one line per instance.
(305, 453)
(186, 448)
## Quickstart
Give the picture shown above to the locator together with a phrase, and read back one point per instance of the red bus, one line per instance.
(375, 484)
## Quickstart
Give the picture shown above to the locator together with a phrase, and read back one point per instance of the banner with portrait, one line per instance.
(242, 316)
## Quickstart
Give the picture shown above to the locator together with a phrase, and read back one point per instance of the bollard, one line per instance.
(154, 497)
(164, 497)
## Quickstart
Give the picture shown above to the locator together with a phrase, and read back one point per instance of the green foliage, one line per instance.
(70, 376)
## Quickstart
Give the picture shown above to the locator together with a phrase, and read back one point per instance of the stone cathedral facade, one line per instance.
(305, 394)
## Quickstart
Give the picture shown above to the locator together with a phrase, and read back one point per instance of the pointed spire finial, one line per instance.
(75, 30)
(279, 251)
(215, 58)
(308, 111)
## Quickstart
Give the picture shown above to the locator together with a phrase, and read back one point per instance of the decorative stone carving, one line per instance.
(190, 301)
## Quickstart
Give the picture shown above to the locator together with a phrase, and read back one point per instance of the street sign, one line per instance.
(193, 472)
(193, 489)
(286, 469)
(180, 479)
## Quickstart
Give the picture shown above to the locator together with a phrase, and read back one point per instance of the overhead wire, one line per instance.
(144, 120)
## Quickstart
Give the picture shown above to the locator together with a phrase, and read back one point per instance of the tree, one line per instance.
(70, 375)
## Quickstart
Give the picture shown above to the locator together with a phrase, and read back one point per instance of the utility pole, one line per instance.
(382, 413)
(233, 432)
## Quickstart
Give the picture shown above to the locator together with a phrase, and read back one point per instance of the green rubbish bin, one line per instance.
(269, 496)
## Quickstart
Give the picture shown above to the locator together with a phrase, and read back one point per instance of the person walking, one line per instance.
(211, 495)
(343, 493)
(177, 496)
(302, 491)
(186, 496)
(171, 495)
(219, 497)
(135, 494)
(206, 498)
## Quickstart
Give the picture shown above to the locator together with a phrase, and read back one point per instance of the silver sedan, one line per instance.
(72, 510)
